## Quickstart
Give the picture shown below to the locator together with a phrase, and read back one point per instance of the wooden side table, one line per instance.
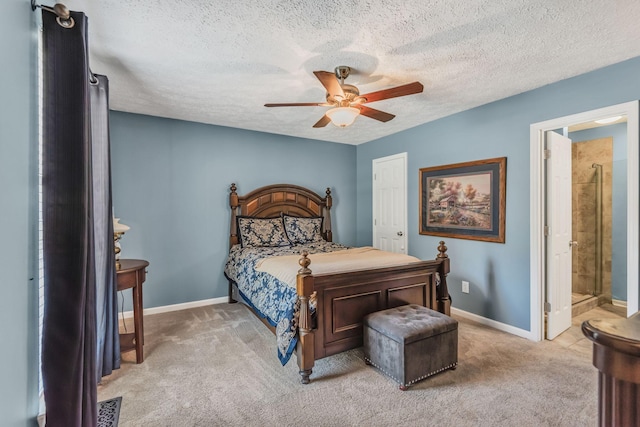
(131, 275)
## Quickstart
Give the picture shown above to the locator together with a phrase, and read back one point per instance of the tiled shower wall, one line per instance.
(584, 155)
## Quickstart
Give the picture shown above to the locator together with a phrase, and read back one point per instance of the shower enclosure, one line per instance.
(591, 200)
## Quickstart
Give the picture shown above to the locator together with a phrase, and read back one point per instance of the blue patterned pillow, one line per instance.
(261, 232)
(303, 230)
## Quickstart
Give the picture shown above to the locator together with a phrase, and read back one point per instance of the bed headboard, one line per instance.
(273, 200)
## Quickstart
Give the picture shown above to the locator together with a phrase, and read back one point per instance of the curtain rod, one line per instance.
(64, 18)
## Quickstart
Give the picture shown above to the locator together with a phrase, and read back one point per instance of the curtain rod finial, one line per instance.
(62, 11)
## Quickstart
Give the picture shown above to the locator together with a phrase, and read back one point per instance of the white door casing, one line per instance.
(559, 244)
(537, 206)
(390, 203)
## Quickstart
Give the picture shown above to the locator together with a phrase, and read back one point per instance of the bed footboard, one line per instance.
(344, 299)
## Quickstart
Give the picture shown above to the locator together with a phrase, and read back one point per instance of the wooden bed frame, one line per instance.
(342, 299)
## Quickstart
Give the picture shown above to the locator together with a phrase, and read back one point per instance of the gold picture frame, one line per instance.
(464, 200)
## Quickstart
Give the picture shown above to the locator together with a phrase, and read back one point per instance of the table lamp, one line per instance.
(118, 231)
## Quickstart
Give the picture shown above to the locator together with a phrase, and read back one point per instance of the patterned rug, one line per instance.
(109, 412)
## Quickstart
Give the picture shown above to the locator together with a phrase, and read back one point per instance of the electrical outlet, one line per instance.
(465, 287)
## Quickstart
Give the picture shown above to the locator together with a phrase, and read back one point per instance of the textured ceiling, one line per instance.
(220, 61)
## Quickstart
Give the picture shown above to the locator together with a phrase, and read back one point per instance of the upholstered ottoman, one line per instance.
(410, 343)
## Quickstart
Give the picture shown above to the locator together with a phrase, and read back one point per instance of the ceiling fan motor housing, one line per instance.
(351, 93)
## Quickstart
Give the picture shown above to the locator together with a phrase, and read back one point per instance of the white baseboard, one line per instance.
(176, 307)
(619, 303)
(493, 324)
(221, 300)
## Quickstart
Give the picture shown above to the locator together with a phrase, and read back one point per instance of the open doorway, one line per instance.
(541, 285)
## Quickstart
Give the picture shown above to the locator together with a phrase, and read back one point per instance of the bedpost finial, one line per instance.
(328, 191)
(233, 202)
(442, 250)
(304, 262)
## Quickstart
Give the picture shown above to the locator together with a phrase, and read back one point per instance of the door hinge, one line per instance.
(547, 307)
(375, 222)
(547, 154)
(546, 230)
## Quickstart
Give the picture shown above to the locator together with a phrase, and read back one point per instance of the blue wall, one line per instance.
(618, 199)
(19, 302)
(498, 273)
(171, 183)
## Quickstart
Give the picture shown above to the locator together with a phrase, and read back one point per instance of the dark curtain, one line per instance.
(108, 341)
(76, 248)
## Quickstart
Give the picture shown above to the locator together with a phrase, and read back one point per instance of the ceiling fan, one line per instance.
(346, 100)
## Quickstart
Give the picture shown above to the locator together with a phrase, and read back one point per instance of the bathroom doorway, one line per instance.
(542, 286)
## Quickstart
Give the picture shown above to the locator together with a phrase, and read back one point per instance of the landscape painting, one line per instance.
(464, 200)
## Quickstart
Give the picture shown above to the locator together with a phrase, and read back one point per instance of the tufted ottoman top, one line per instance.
(410, 323)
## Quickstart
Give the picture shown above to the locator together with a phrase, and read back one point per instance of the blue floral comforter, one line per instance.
(271, 298)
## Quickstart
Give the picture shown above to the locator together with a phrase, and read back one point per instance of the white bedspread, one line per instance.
(285, 268)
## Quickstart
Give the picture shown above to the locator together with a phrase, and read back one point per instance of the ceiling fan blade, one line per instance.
(330, 82)
(394, 92)
(322, 122)
(375, 114)
(300, 104)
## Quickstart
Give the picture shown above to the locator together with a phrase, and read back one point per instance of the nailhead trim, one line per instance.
(412, 381)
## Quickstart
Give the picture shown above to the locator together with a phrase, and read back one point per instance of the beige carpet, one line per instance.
(217, 365)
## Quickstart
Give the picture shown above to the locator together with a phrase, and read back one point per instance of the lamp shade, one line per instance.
(343, 116)
(119, 228)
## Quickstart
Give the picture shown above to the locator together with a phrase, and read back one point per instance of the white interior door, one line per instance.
(559, 243)
(390, 203)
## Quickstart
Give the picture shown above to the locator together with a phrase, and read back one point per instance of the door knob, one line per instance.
(400, 233)
(573, 243)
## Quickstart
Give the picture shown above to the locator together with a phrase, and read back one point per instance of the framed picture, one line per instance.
(464, 200)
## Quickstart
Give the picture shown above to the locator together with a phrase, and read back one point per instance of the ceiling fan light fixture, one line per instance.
(346, 101)
(343, 116)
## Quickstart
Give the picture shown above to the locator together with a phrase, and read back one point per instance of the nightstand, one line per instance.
(131, 275)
